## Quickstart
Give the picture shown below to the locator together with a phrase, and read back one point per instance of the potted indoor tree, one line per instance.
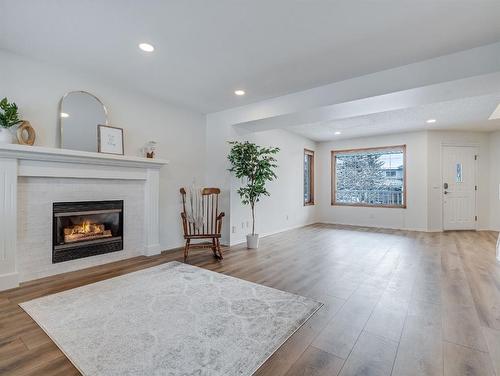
(8, 118)
(255, 165)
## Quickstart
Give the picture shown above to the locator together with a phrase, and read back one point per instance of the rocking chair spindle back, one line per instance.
(212, 222)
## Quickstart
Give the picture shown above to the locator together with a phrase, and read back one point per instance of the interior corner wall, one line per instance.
(284, 208)
(37, 89)
(414, 217)
(494, 173)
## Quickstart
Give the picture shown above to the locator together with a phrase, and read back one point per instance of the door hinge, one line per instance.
(475, 187)
(475, 218)
(475, 157)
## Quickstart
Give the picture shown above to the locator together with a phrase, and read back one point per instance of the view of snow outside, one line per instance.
(307, 178)
(370, 178)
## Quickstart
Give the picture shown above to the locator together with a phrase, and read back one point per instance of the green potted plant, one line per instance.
(9, 117)
(255, 165)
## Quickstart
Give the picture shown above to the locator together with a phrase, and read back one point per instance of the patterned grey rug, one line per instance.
(172, 319)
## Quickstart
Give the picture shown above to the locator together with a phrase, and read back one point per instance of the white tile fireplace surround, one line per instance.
(33, 178)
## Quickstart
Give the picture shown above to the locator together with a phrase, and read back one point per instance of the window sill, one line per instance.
(369, 206)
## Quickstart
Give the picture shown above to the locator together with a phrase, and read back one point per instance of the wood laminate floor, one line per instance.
(396, 302)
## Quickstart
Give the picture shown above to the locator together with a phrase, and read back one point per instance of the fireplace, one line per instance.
(86, 228)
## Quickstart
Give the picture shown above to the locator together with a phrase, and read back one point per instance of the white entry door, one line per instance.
(459, 187)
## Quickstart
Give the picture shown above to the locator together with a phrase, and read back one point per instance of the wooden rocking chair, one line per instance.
(212, 223)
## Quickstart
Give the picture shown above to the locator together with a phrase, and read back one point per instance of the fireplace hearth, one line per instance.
(86, 228)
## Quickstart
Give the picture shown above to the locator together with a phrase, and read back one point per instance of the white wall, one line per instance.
(37, 89)
(424, 193)
(414, 217)
(494, 174)
(472, 70)
(424, 182)
(286, 193)
(284, 209)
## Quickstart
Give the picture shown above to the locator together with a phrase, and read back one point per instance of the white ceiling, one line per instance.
(469, 114)
(207, 49)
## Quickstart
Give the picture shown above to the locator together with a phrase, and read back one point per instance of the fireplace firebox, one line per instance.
(86, 228)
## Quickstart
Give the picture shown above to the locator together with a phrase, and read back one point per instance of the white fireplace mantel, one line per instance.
(34, 161)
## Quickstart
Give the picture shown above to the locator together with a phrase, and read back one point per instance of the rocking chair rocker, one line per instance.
(212, 223)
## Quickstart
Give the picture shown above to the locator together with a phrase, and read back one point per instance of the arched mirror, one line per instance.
(80, 114)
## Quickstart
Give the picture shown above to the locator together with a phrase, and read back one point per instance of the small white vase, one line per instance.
(253, 241)
(5, 136)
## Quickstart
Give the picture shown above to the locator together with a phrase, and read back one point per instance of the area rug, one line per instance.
(171, 319)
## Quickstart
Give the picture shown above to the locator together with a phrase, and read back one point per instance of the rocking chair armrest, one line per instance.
(219, 222)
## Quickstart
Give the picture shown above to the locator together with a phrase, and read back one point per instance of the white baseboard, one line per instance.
(380, 227)
(243, 240)
(9, 281)
(417, 229)
(154, 249)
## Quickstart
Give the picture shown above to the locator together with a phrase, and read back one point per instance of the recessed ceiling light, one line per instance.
(338, 132)
(146, 47)
(430, 121)
(64, 115)
(239, 92)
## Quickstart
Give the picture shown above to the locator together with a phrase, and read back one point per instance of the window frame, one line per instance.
(333, 172)
(309, 153)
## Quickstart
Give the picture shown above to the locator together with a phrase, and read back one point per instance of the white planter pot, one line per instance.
(5, 136)
(253, 241)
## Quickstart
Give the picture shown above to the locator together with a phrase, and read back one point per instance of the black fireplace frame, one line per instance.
(77, 250)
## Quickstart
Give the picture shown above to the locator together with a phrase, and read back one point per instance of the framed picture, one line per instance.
(109, 139)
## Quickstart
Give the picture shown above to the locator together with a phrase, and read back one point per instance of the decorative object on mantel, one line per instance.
(79, 114)
(9, 117)
(256, 165)
(201, 219)
(110, 139)
(26, 134)
(150, 149)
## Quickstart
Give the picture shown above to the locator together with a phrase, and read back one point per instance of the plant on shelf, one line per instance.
(9, 117)
(8, 114)
(255, 164)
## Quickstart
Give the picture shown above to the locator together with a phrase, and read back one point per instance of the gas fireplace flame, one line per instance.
(85, 231)
(86, 227)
